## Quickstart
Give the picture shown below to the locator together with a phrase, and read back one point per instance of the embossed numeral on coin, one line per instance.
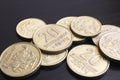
(86, 60)
(52, 38)
(49, 34)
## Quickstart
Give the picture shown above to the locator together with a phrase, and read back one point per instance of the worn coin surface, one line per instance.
(85, 60)
(105, 29)
(52, 38)
(86, 26)
(20, 59)
(27, 27)
(110, 45)
(66, 22)
(53, 59)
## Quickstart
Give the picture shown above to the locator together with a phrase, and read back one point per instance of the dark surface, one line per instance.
(13, 11)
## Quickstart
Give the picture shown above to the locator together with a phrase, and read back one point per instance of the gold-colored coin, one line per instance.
(105, 29)
(110, 45)
(86, 26)
(52, 38)
(85, 60)
(66, 22)
(53, 59)
(27, 27)
(20, 59)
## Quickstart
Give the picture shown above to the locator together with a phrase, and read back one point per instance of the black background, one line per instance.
(13, 11)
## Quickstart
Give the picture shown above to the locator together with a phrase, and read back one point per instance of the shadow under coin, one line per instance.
(88, 40)
(49, 68)
(115, 66)
(113, 63)
(23, 39)
(74, 44)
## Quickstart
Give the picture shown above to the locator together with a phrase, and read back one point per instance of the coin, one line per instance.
(110, 45)
(66, 22)
(20, 59)
(27, 27)
(105, 29)
(86, 26)
(53, 59)
(52, 38)
(85, 60)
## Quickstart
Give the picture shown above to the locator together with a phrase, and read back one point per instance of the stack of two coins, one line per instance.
(108, 41)
(54, 41)
(49, 47)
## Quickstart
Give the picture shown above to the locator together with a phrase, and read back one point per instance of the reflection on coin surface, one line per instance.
(110, 45)
(66, 22)
(20, 59)
(86, 26)
(105, 29)
(27, 27)
(85, 60)
(53, 59)
(52, 38)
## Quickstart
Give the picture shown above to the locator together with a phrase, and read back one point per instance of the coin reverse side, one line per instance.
(66, 22)
(52, 38)
(85, 60)
(20, 59)
(27, 27)
(86, 26)
(110, 45)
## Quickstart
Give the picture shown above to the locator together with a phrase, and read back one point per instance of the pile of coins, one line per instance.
(51, 43)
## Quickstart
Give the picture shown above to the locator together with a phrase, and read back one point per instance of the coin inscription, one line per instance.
(86, 26)
(27, 27)
(85, 60)
(20, 59)
(110, 45)
(52, 38)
